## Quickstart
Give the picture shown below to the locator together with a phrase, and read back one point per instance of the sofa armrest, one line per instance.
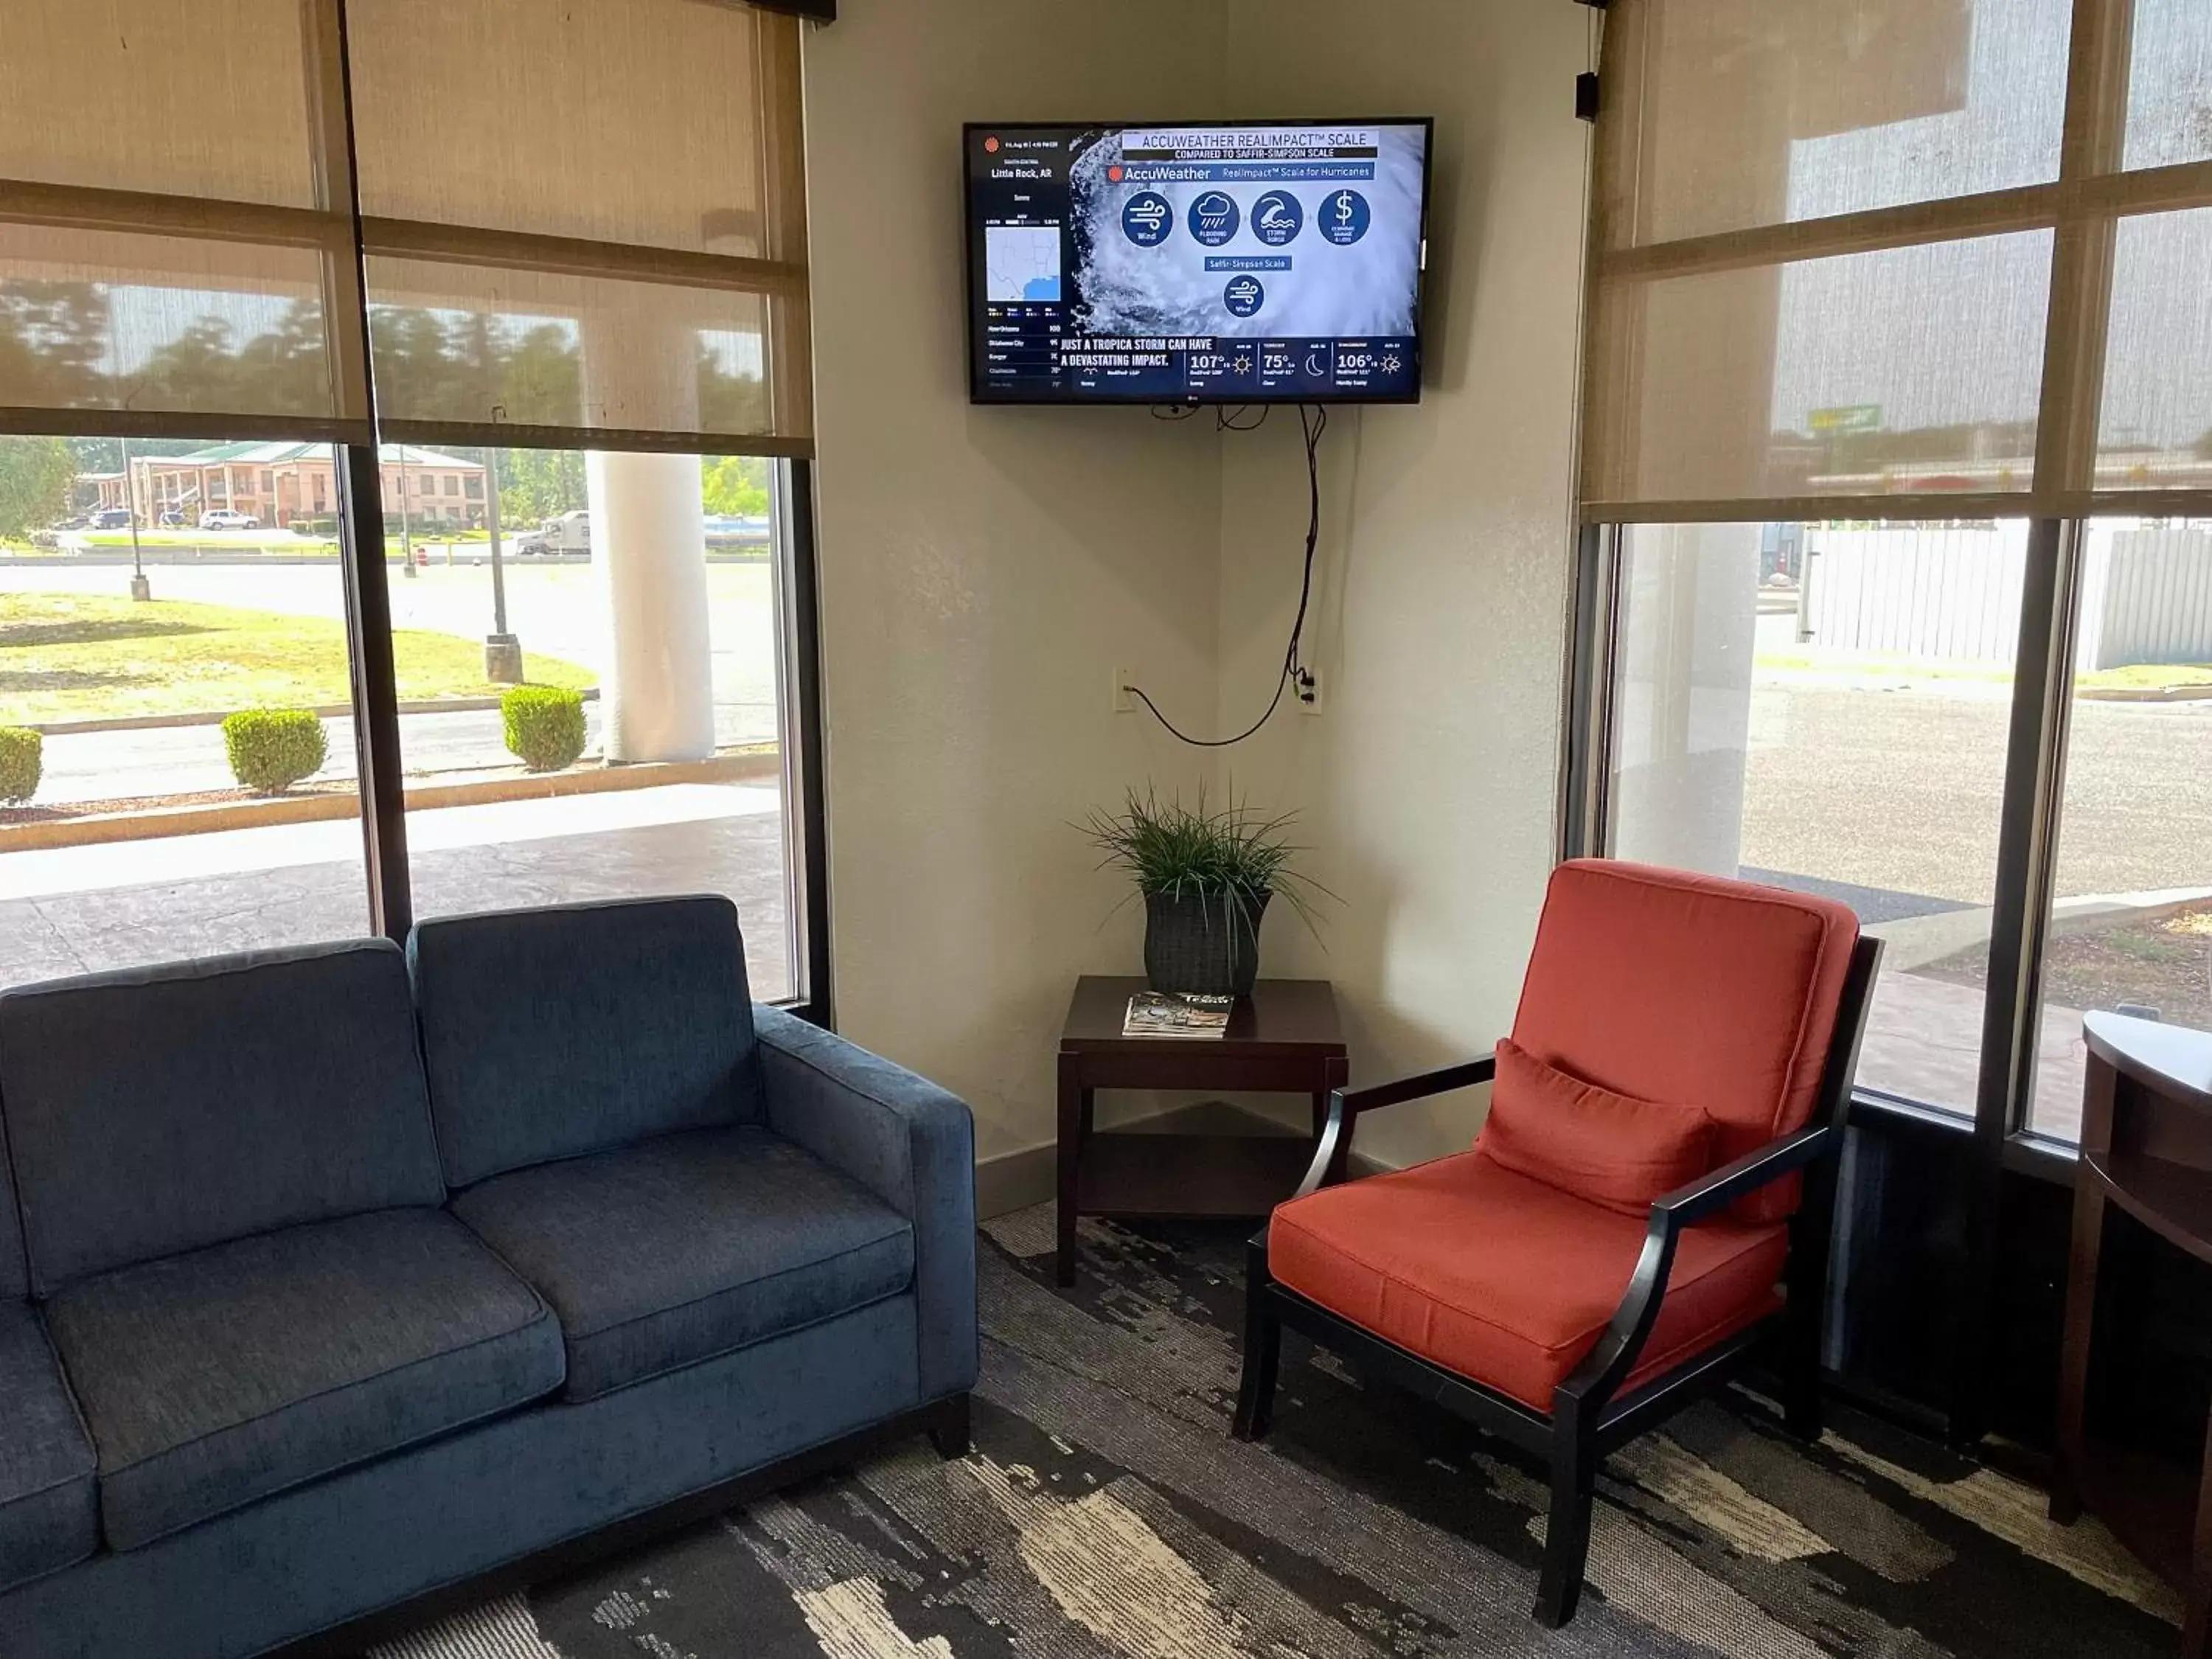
(907, 1141)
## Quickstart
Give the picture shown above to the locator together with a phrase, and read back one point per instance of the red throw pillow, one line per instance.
(1611, 1149)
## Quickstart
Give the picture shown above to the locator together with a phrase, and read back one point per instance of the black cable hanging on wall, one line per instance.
(1313, 421)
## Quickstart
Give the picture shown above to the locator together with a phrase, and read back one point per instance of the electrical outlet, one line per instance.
(1305, 685)
(1123, 702)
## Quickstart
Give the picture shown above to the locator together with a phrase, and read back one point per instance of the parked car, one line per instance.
(112, 517)
(170, 519)
(224, 518)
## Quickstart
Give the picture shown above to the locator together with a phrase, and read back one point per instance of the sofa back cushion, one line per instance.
(1690, 990)
(157, 1111)
(551, 1033)
(14, 1276)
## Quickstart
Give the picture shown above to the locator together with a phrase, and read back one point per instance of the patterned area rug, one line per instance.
(1105, 1513)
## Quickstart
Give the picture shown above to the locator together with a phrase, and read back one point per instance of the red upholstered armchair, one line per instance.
(1659, 1159)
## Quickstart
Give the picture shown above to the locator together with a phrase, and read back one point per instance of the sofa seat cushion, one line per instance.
(213, 1379)
(1506, 1279)
(659, 1255)
(49, 1507)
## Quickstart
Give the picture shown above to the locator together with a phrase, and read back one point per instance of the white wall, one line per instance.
(1428, 784)
(983, 570)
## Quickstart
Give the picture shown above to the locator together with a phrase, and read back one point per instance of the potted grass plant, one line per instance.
(1207, 875)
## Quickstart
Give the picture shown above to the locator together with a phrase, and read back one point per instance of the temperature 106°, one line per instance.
(1355, 363)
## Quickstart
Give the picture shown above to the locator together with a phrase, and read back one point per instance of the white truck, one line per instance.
(568, 534)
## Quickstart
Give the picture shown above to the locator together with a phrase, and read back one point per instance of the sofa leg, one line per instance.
(1566, 1539)
(1263, 1350)
(948, 1427)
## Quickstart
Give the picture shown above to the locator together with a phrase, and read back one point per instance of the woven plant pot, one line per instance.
(1206, 944)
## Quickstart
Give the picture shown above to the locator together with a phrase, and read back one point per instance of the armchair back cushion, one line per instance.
(153, 1111)
(552, 1033)
(1693, 991)
(1610, 1149)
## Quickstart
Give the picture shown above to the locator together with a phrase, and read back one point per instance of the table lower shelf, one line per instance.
(1186, 1177)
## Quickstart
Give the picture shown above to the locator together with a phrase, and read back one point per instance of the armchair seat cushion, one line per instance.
(49, 1507)
(213, 1379)
(1507, 1280)
(678, 1250)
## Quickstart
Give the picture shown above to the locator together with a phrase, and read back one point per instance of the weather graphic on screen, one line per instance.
(1206, 263)
(1021, 262)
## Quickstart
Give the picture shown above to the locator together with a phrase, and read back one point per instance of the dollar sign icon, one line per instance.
(1348, 220)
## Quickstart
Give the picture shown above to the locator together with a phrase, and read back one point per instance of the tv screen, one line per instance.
(1238, 262)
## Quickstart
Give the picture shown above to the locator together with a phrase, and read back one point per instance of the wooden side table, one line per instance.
(1284, 1038)
(2146, 1150)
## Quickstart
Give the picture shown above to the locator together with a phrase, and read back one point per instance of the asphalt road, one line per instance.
(1901, 790)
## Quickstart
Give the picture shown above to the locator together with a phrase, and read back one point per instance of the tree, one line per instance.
(36, 476)
(538, 484)
(737, 486)
(54, 336)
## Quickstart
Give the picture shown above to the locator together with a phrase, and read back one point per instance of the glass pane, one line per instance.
(2170, 85)
(636, 121)
(96, 319)
(1749, 112)
(172, 96)
(457, 344)
(144, 831)
(2131, 923)
(633, 600)
(1911, 371)
(2156, 432)
(1824, 707)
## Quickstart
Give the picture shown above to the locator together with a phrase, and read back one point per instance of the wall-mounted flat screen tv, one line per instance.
(1240, 262)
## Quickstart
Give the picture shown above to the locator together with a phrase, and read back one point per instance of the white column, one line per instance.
(1683, 718)
(649, 551)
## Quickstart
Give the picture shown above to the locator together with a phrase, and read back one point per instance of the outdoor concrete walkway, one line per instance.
(86, 908)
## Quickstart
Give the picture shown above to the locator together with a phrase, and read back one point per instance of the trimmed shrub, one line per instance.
(272, 749)
(544, 726)
(324, 527)
(23, 759)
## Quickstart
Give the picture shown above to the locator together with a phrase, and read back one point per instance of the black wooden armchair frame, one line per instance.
(1590, 1418)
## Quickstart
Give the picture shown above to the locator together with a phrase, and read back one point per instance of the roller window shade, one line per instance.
(583, 222)
(581, 225)
(176, 249)
(1945, 253)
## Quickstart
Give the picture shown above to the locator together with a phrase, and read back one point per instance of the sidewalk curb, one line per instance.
(327, 711)
(753, 767)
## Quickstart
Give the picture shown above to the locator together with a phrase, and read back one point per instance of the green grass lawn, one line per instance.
(82, 656)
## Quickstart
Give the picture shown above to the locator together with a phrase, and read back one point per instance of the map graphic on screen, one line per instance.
(1239, 262)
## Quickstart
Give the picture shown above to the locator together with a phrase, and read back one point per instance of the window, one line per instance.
(1896, 473)
(1824, 707)
(143, 839)
(2131, 924)
(607, 299)
(673, 780)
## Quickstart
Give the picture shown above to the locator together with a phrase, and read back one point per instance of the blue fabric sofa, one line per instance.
(336, 1283)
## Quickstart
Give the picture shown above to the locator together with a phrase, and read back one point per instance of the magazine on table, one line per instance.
(1176, 1014)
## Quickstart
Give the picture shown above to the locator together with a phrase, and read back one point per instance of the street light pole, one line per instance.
(503, 651)
(140, 587)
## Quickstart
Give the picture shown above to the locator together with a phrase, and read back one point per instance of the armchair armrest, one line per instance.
(907, 1141)
(1600, 1376)
(1345, 1106)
